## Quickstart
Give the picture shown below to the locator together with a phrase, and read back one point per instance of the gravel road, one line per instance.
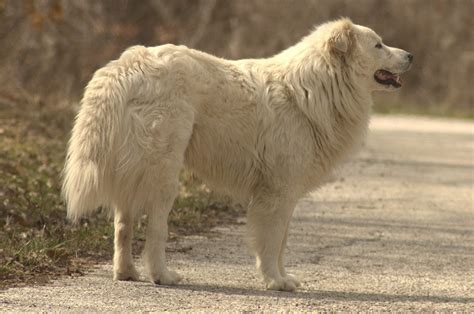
(393, 231)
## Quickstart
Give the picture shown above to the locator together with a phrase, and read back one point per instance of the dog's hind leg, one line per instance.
(268, 217)
(157, 229)
(170, 142)
(123, 260)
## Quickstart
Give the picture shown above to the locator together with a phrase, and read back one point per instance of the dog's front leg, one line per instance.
(268, 219)
(281, 261)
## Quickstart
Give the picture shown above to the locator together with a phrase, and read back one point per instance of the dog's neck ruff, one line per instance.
(336, 105)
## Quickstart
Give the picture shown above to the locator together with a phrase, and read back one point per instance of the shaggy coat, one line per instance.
(265, 131)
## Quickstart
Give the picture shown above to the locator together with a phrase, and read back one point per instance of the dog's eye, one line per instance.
(378, 46)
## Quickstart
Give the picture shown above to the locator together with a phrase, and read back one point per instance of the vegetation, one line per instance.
(49, 49)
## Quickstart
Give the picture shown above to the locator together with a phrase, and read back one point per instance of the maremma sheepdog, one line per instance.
(265, 131)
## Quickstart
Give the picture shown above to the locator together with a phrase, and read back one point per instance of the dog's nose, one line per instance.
(410, 57)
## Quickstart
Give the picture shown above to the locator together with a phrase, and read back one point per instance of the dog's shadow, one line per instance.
(320, 294)
(308, 294)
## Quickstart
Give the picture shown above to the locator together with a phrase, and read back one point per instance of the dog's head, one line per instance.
(377, 65)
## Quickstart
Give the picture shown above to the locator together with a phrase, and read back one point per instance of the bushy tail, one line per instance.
(87, 179)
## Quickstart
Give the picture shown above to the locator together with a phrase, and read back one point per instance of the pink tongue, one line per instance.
(386, 76)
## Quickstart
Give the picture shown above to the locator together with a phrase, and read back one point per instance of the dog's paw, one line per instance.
(167, 278)
(128, 274)
(293, 278)
(283, 284)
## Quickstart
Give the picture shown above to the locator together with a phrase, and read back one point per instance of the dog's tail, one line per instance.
(88, 172)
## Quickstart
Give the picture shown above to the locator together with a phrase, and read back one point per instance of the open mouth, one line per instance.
(385, 77)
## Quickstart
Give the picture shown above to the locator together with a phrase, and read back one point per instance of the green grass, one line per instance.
(37, 242)
(36, 239)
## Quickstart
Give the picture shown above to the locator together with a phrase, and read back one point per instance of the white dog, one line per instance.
(265, 131)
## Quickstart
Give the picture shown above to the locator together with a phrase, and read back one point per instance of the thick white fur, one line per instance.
(265, 131)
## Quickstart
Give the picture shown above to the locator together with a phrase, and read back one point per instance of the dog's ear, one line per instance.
(342, 36)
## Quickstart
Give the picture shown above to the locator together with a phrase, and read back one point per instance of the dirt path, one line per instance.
(394, 231)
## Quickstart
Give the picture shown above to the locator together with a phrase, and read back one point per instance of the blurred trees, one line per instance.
(50, 48)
